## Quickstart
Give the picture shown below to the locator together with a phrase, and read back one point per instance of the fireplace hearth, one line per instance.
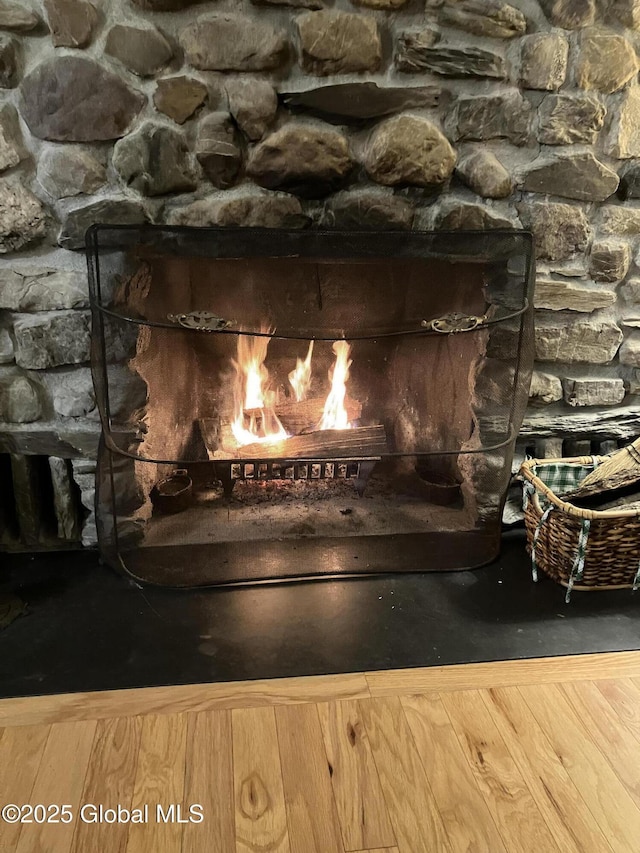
(280, 405)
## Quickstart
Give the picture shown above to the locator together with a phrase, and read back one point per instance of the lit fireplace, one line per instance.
(297, 404)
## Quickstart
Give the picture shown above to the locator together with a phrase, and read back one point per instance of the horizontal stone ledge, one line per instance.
(621, 422)
(77, 440)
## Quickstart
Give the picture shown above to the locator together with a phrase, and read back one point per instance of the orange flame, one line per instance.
(335, 414)
(300, 378)
(254, 417)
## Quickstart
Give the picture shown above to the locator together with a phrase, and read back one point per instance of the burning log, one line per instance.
(303, 416)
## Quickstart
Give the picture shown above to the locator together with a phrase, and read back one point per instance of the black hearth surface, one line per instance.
(87, 628)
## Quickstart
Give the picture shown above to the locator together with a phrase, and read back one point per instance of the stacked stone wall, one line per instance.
(375, 113)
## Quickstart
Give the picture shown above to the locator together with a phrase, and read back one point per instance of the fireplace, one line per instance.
(291, 404)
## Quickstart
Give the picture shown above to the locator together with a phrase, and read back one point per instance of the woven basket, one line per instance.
(579, 548)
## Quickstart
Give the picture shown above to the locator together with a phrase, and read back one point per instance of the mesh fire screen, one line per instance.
(292, 404)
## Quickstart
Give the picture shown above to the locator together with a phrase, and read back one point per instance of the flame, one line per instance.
(300, 378)
(335, 414)
(254, 417)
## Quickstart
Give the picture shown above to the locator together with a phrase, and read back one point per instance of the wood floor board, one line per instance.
(311, 811)
(467, 820)
(260, 812)
(208, 782)
(21, 752)
(508, 798)
(362, 811)
(601, 789)
(624, 697)
(413, 811)
(109, 782)
(563, 809)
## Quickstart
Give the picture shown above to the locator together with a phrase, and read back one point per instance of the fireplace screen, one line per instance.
(292, 404)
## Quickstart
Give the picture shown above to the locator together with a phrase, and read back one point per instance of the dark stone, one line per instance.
(630, 181)
(68, 171)
(333, 42)
(155, 160)
(143, 50)
(543, 61)
(609, 261)
(388, 5)
(627, 12)
(409, 150)
(303, 159)
(367, 209)
(570, 14)
(484, 174)
(73, 99)
(15, 16)
(578, 176)
(227, 42)
(353, 103)
(560, 230)
(606, 62)
(565, 119)
(10, 56)
(23, 219)
(50, 339)
(165, 5)
(242, 210)
(71, 22)
(253, 104)
(417, 53)
(108, 211)
(179, 97)
(491, 117)
(300, 4)
(465, 216)
(218, 150)
(485, 18)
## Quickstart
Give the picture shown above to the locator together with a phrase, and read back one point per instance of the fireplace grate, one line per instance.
(356, 470)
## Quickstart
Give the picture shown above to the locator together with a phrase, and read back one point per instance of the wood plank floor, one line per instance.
(530, 756)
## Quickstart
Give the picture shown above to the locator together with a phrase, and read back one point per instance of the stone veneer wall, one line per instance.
(386, 113)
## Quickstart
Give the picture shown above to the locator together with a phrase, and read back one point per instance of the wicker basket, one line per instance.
(580, 548)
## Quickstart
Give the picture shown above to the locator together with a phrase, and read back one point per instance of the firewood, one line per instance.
(304, 416)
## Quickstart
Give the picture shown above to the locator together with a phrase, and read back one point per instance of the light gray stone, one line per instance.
(607, 61)
(71, 391)
(143, 50)
(368, 209)
(578, 176)
(109, 211)
(409, 150)
(631, 290)
(568, 339)
(12, 150)
(253, 103)
(73, 99)
(16, 16)
(19, 398)
(561, 294)
(36, 288)
(10, 61)
(165, 5)
(242, 209)
(491, 18)
(545, 388)
(333, 42)
(299, 4)
(593, 392)
(490, 117)
(609, 260)
(155, 160)
(630, 350)
(421, 50)
(306, 159)
(72, 22)
(388, 5)
(23, 219)
(543, 61)
(64, 499)
(570, 14)
(565, 119)
(218, 149)
(624, 221)
(179, 97)
(65, 172)
(560, 230)
(228, 42)
(127, 392)
(624, 139)
(484, 174)
(454, 215)
(6, 347)
(51, 339)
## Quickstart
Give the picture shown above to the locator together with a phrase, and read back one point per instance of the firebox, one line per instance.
(294, 404)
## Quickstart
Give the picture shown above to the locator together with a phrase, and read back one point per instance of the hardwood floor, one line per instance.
(529, 756)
